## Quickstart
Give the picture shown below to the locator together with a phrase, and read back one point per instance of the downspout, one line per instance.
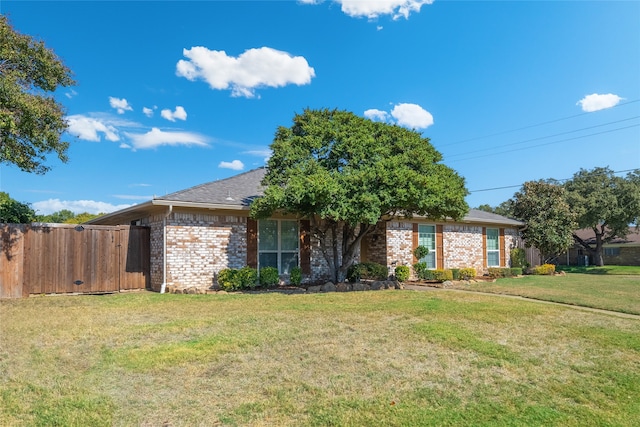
(163, 287)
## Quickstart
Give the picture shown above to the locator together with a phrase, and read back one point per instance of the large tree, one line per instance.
(13, 211)
(31, 120)
(549, 221)
(345, 173)
(605, 203)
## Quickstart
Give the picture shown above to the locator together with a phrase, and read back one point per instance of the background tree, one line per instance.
(505, 208)
(12, 211)
(604, 203)
(346, 173)
(66, 216)
(31, 121)
(549, 221)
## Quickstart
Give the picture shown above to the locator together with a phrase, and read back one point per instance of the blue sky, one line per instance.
(174, 94)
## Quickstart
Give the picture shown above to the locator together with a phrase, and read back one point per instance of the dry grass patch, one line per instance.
(367, 358)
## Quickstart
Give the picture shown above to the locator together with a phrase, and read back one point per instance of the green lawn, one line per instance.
(610, 292)
(384, 358)
(607, 269)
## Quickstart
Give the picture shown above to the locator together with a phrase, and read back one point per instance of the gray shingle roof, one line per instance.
(238, 190)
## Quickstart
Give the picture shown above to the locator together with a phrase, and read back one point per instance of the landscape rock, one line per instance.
(328, 287)
(343, 287)
(314, 289)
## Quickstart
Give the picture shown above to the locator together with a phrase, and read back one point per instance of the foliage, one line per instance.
(269, 276)
(295, 276)
(442, 275)
(544, 269)
(420, 252)
(604, 203)
(231, 279)
(519, 258)
(66, 216)
(420, 268)
(367, 271)
(499, 272)
(31, 121)
(402, 273)
(344, 173)
(467, 273)
(516, 271)
(505, 208)
(455, 273)
(549, 220)
(12, 211)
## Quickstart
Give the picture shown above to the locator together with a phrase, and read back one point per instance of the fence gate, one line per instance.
(68, 258)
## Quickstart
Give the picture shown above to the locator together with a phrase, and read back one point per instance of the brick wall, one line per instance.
(200, 245)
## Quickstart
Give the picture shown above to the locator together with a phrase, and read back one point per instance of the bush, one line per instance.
(442, 275)
(498, 273)
(519, 258)
(544, 269)
(455, 272)
(420, 252)
(269, 276)
(402, 273)
(231, 279)
(295, 277)
(247, 277)
(227, 279)
(367, 271)
(516, 271)
(467, 273)
(420, 268)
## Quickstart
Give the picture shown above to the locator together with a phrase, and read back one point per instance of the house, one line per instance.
(199, 231)
(619, 251)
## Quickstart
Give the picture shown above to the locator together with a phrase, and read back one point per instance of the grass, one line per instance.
(393, 358)
(629, 270)
(609, 292)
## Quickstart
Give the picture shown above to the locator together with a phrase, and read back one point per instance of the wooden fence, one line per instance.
(69, 258)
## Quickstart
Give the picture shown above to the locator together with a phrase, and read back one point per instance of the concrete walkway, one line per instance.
(576, 307)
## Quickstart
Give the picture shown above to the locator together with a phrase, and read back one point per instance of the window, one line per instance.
(427, 238)
(611, 251)
(278, 244)
(493, 247)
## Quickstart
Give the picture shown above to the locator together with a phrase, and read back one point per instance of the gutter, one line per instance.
(163, 287)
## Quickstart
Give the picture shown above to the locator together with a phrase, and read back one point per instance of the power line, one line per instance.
(544, 137)
(547, 143)
(520, 185)
(531, 126)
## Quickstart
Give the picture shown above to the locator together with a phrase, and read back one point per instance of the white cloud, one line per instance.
(372, 9)
(179, 113)
(595, 102)
(88, 128)
(47, 207)
(121, 105)
(131, 197)
(376, 115)
(235, 165)
(412, 116)
(71, 94)
(262, 67)
(147, 111)
(156, 137)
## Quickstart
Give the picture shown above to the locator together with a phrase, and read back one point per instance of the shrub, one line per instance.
(402, 273)
(227, 279)
(247, 277)
(420, 252)
(519, 258)
(455, 272)
(269, 276)
(500, 272)
(367, 271)
(295, 277)
(544, 269)
(467, 273)
(421, 270)
(442, 275)
(516, 271)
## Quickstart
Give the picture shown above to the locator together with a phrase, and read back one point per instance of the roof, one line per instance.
(237, 193)
(587, 234)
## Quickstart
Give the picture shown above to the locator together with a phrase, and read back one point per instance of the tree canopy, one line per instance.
(66, 216)
(345, 173)
(605, 203)
(31, 120)
(13, 211)
(550, 223)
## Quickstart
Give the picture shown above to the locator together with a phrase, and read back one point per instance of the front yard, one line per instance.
(360, 358)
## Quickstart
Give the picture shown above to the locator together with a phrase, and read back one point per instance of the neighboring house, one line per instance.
(199, 231)
(620, 251)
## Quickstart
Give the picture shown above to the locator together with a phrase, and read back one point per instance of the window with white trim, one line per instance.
(493, 247)
(427, 238)
(278, 244)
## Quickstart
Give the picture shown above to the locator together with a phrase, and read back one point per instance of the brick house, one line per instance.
(619, 251)
(199, 231)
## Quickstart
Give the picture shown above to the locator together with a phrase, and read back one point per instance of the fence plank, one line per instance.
(11, 260)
